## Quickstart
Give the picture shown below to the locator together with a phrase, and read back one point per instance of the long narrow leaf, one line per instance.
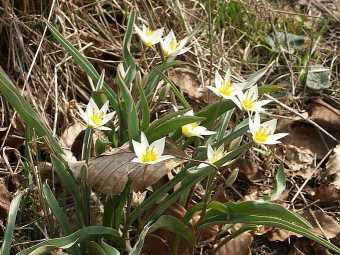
(70, 240)
(13, 210)
(83, 62)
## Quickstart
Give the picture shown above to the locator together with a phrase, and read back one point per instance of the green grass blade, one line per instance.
(27, 113)
(154, 76)
(128, 58)
(56, 209)
(170, 126)
(175, 226)
(71, 240)
(13, 210)
(82, 61)
(137, 248)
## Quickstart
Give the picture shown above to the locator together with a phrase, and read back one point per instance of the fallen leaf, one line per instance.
(330, 227)
(186, 80)
(318, 77)
(69, 142)
(327, 193)
(333, 167)
(239, 245)
(110, 172)
(247, 168)
(325, 115)
(304, 246)
(5, 198)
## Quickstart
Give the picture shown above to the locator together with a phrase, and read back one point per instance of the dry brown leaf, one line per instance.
(304, 246)
(110, 172)
(327, 193)
(325, 115)
(187, 81)
(305, 136)
(240, 245)
(68, 139)
(5, 198)
(330, 227)
(246, 168)
(333, 167)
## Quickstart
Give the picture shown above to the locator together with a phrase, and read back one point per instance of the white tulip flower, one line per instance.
(149, 154)
(224, 87)
(94, 117)
(213, 155)
(249, 102)
(148, 36)
(194, 129)
(264, 133)
(171, 48)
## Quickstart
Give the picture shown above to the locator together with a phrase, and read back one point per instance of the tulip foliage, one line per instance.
(125, 115)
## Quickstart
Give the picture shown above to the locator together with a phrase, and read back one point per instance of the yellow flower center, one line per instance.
(97, 118)
(149, 155)
(248, 104)
(217, 155)
(226, 89)
(261, 135)
(171, 48)
(187, 130)
(149, 32)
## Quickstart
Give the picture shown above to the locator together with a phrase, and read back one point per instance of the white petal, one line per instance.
(164, 157)
(257, 121)
(171, 36)
(137, 160)
(189, 113)
(262, 103)
(138, 30)
(218, 80)
(253, 92)
(108, 117)
(236, 101)
(227, 75)
(202, 165)
(182, 51)
(105, 107)
(159, 146)
(277, 136)
(137, 147)
(214, 90)
(210, 152)
(104, 128)
(144, 141)
(271, 125)
(203, 131)
(91, 107)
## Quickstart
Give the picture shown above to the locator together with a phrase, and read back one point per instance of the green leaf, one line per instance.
(109, 249)
(176, 91)
(144, 106)
(286, 41)
(283, 224)
(131, 114)
(318, 77)
(280, 184)
(190, 177)
(175, 226)
(170, 126)
(128, 58)
(13, 210)
(71, 240)
(254, 78)
(56, 209)
(214, 111)
(82, 61)
(27, 113)
(70, 184)
(195, 175)
(140, 242)
(154, 76)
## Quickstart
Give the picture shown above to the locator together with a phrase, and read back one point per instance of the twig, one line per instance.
(303, 117)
